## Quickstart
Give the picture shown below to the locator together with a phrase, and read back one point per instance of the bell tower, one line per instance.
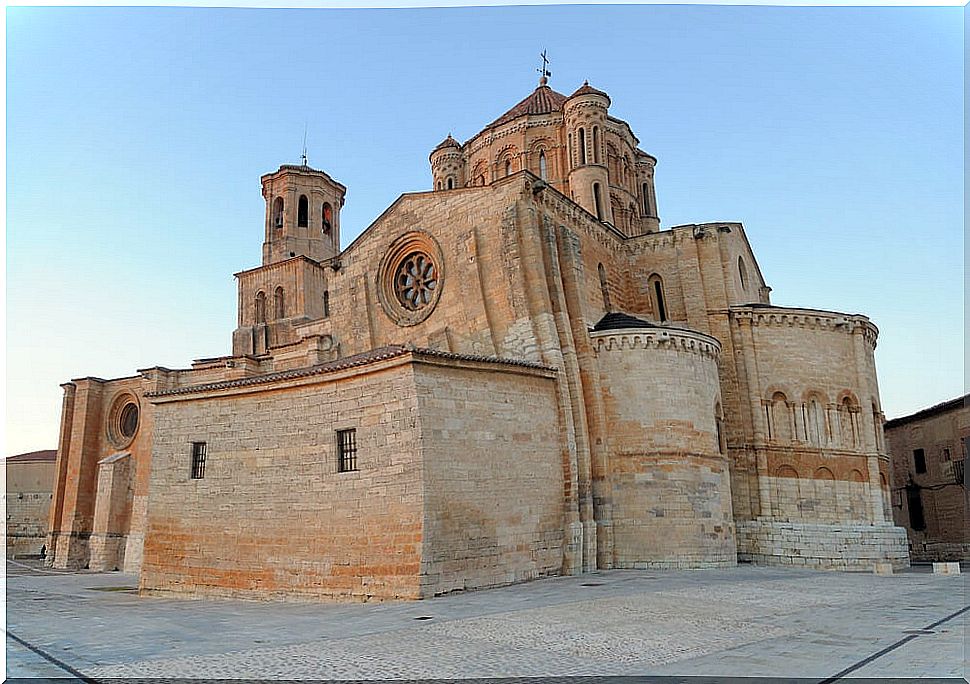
(302, 214)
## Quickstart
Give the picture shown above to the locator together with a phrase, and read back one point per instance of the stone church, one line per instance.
(513, 375)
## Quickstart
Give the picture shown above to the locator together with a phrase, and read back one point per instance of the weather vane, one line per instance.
(544, 71)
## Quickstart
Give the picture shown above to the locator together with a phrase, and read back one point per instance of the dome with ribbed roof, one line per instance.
(542, 100)
(587, 89)
(447, 142)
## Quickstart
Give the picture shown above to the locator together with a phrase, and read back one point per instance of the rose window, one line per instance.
(415, 281)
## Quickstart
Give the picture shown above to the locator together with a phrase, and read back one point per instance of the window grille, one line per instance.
(198, 460)
(346, 450)
(958, 471)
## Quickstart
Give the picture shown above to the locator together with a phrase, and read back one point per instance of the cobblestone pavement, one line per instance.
(746, 621)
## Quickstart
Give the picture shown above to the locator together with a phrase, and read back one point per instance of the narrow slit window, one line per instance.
(327, 218)
(326, 303)
(346, 450)
(198, 460)
(596, 144)
(598, 201)
(582, 145)
(542, 165)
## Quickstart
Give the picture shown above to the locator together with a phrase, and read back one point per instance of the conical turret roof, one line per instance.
(447, 142)
(587, 89)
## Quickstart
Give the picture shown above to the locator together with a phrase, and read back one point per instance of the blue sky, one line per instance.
(136, 138)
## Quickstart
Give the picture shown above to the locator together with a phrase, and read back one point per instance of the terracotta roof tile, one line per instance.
(542, 100)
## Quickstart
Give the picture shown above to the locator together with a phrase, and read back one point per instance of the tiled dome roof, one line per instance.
(543, 100)
(447, 142)
(587, 89)
(616, 320)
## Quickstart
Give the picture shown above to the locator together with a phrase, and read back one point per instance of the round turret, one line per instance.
(585, 114)
(446, 165)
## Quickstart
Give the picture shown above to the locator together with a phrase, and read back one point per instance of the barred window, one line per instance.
(198, 460)
(346, 450)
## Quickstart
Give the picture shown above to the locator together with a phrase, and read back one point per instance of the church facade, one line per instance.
(515, 374)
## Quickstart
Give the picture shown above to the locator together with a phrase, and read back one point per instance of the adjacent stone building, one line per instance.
(928, 450)
(28, 493)
(515, 374)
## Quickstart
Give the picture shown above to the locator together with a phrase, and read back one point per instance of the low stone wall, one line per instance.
(837, 546)
(937, 552)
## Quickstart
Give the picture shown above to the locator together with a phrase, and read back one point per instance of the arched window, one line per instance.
(645, 192)
(569, 148)
(656, 286)
(815, 423)
(303, 212)
(542, 164)
(876, 427)
(582, 145)
(327, 218)
(279, 306)
(596, 144)
(278, 212)
(743, 274)
(451, 183)
(847, 422)
(508, 167)
(780, 426)
(326, 303)
(260, 307)
(438, 186)
(604, 287)
(597, 200)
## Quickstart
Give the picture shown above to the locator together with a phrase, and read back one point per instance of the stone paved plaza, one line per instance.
(746, 621)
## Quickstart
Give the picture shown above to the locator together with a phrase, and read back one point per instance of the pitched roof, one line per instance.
(542, 100)
(44, 456)
(943, 407)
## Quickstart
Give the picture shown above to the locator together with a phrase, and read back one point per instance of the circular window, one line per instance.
(129, 420)
(410, 278)
(415, 281)
(123, 420)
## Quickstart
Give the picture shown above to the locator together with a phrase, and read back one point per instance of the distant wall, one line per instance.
(28, 499)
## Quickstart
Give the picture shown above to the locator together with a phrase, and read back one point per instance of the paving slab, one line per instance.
(746, 621)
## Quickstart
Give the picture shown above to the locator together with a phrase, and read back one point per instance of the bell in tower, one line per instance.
(302, 214)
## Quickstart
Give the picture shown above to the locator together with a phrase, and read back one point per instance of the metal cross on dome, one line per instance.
(544, 71)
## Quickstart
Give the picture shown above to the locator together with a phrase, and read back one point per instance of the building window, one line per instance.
(278, 212)
(569, 149)
(604, 287)
(128, 422)
(719, 425)
(582, 145)
(596, 144)
(919, 460)
(542, 164)
(451, 183)
(326, 303)
(743, 274)
(346, 450)
(598, 201)
(508, 167)
(645, 191)
(279, 305)
(327, 218)
(656, 287)
(260, 307)
(303, 212)
(198, 460)
(944, 456)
